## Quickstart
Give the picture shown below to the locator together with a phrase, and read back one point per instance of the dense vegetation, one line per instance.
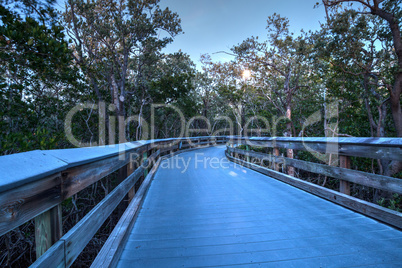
(109, 53)
(342, 80)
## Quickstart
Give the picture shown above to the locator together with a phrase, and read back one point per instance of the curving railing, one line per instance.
(34, 184)
(375, 148)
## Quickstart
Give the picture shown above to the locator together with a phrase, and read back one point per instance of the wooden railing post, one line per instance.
(276, 154)
(171, 149)
(248, 149)
(344, 186)
(122, 175)
(130, 170)
(48, 229)
(144, 158)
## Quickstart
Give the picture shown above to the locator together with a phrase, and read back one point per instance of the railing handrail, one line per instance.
(385, 148)
(34, 182)
(394, 141)
(21, 168)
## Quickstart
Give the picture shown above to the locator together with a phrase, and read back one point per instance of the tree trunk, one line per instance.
(289, 152)
(395, 93)
(395, 99)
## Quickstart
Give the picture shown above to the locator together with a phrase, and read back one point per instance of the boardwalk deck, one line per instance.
(229, 215)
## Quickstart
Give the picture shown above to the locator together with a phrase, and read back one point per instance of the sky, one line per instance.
(217, 25)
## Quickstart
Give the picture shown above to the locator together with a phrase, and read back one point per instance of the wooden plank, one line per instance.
(185, 146)
(145, 163)
(48, 229)
(54, 257)
(81, 156)
(367, 179)
(382, 214)
(376, 152)
(378, 148)
(276, 153)
(169, 148)
(23, 203)
(19, 169)
(112, 249)
(79, 236)
(130, 170)
(392, 142)
(203, 143)
(78, 178)
(344, 186)
(245, 224)
(121, 176)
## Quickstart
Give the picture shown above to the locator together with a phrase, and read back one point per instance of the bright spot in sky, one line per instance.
(246, 74)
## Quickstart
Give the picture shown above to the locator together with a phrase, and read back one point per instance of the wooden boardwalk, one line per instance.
(232, 216)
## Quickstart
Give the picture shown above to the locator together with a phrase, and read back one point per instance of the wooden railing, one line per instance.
(34, 184)
(377, 148)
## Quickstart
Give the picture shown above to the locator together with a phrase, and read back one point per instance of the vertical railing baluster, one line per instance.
(144, 158)
(344, 186)
(276, 154)
(130, 169)
(248, 156)
(48, 229)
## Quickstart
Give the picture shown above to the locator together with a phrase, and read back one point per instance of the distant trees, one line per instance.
(117, 46)
(114, 56)
(364, 49)
(38, 82)
(348, 71)
(388, 24)
(172, 86)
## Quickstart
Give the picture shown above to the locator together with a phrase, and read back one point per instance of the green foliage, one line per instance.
(395, 203)
(36, 78)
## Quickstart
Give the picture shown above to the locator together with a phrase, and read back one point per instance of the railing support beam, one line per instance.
(276, 154)
(48, 229)
(344, 186)
(130, 170)
(144, 158)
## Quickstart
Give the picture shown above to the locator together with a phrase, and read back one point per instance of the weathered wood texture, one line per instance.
(48, 229)
(66, 172)
(276, 153)
(145, 163)
(78, 178)
(23, 203)
(384, 148)
(382, 214)
(111, 250)
(54, 257)
(79, 236)
(19, 169)
(169, 148)
(130, 169)
(367, 179)
(34, 182)
(344, 186)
